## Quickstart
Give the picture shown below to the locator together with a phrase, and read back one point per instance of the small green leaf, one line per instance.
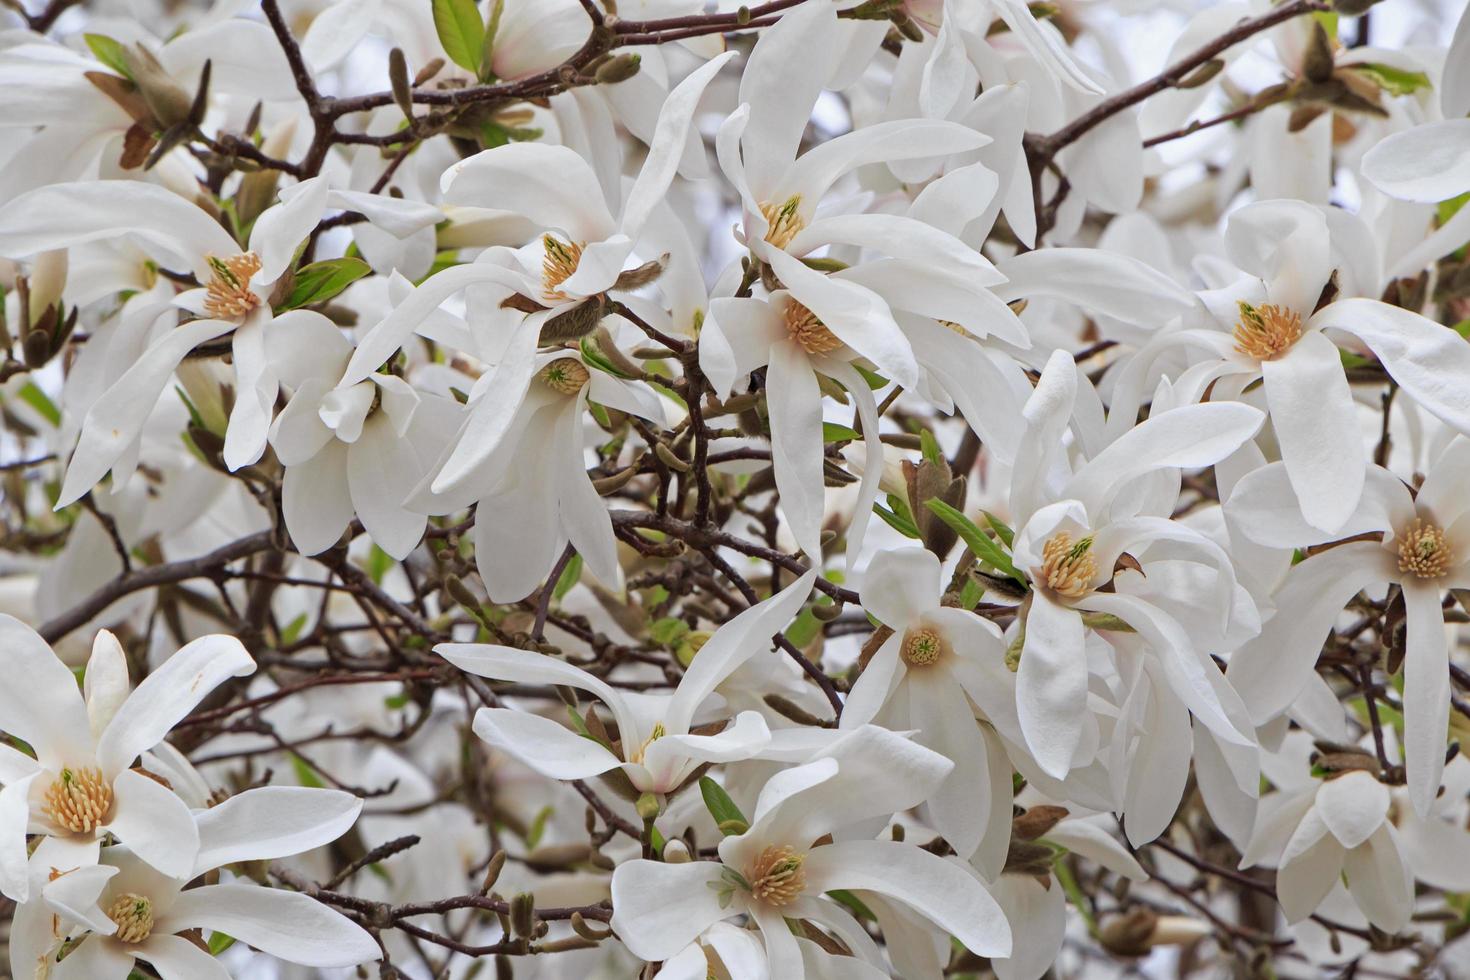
(668, 632)
(1001, 528)
(929, 447)
(899, 518)
(975, 539)
(538, 826)
(569, 577)
(873, 378)
(804, 629)
(971, 592)
(36, 398)
(293, 629)
(1394, 81)
(320, 281)
(379, 561)
(832, 432)
(845, 897)
(461, 31)
(305, 774)
(719, 804)
(110, 53)
(219, 942)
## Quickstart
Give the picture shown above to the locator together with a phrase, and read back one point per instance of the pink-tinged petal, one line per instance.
(167, 695)
(62, 215)
(857, 316)
(1428, 164)
(47, 711)
(154, 823)
(271, 822)
(255, 393)
(1426, 691)
(794, 402)
(901, 585)
(1304, 881)
(316, 499)
(176, 958)
(15, 812)
(551, 185)
(115, 421)
(550, 748)
(1380, 882)
(1353, 806)
(941, 713)
(281, 229)
(1189, 437)
(1428, 360)
(1271, 670)
(1263, 506)
(1051, 684)
(97, 958)
(731, 646)
(942, 891)
(1316, 424)
(284, 924)
(658, 909)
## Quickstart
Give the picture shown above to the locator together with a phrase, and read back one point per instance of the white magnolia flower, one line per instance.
(80, 786)
(781, 868)
(656, 748)
(1337, 829)
(1424, 547)
(107, 915)
(929, 676)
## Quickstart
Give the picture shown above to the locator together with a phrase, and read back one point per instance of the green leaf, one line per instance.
(320, 281)
(36, 398)
(668, 631)
(1447, 209)
(899, 518)
(461, 31)
(719, 804)
(293, 629)
(1394, 81)
(971, 592)
(1462, 328)
(873, 378)
(1001, 528)
(110, 53)
(845, 897)
(929, 447)
(219, 942)
(487, 46)
(832, 432)
(569, 577)
(804, 629)
(379, 561)
(305, 774)
(538, 826)
(975, 539)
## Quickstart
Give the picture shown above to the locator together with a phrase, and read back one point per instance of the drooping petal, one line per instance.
(316, 499)
(795, 406)
(167, 695)
(382, 470)
(1304, 881)
(1353, 806)
(550, 748)
(1426, 692)
(551, 185)
(154, 823)
(942, 891)
(1051, 683)
(658, 909)
(1379, 881)
(940, 711)
(15, 813)
(1038, 918)
(97, 958)
(255, 393)
(175, 958)
(285, 924)
(271, 822)
(1263, 506)
(1428, 164)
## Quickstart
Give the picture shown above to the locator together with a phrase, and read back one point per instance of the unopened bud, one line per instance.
(676, 852)
(492, 872)
(618, 69)
(523, 915)
(648, 808)
(398, 81)
(1037, 821)
(1317, 63)
(1128, 934)
(165, 99)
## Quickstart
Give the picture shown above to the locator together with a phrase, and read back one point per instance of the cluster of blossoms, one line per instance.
(805, 489)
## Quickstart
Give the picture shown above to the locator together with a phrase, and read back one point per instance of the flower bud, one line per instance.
(676, 852)
(618, 69)
(166, 100)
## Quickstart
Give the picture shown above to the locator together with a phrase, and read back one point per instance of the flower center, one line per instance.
(229, 292)
(1424, 550)
(776, 877)
(1266, 332)
(134, 917)
(566, 375)
(658, 732)
(78, 799)
(1068, 569)
(785, 221)
(921, 647)
(558, 265)
(812, 334)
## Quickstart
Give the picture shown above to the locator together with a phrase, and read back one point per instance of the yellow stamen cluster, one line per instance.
(1068, 569)
(557, 266)
(229, 293)
(922, 647)
(785, 221)
(808, 331)
(134, 917)
(658, 732)
(78, 799)
(1424, 551)
(566, 375)
(1266, 332)
(776, 877)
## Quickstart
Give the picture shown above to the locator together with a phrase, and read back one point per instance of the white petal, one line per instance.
(1086, 837)
(15, 812)
(382, 470)
(550, 748)
(1263, 506)
(281, 229)
(1303, 883)
(97, 958)
(1317, 426)
(736, 339)
(47, 711)
(1353, 806)
(1379, 882)
(953, 898)
(284, 924)
(1429, 163)
(154, 823)
(1426, 693)
(875, 685)
(901, 585)
(271, 822)
(316, 500)
(176, 958)
(167, 695)
(940, 711)
(105, 684)
(551, 185)
(884, 142)
(795, 411)
(658, 909)
(1038, 917)
(1103, 282)
(255, 393)
(1051, 684)
(524, 667)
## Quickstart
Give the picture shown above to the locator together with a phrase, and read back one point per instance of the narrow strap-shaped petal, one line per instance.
(1426, 692)
(271, 822)
(550, 748)
(46, 711)
(795, 411)
(176, 958)
(284, 924)
(1051, 683)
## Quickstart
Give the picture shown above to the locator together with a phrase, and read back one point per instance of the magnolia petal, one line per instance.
(382, 470)
(875, 685)
(281, 229)
(1353, 806)
(940, 890)
(1379, 881)
(901, 585)
(1263, 506)
(551, 185)
(285, 924)
(316, 500)
(154, 823)
(168, 694)
(795, 410)
(271, 822)
(940, 711)
(105, 684)
(1038, 918)
(1426, 692)
(1316, 424)
(525, 667)
(47, 711)
(1304, 881)
(1115, 285)
(546, 746)
(97, 958)
(885, 142)
(175, 958)
(658, 908)
(255, 393)
(1051, 684)
(1428, 164)
(15, 811)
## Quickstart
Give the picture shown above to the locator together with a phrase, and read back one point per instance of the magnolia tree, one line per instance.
(818, 488)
